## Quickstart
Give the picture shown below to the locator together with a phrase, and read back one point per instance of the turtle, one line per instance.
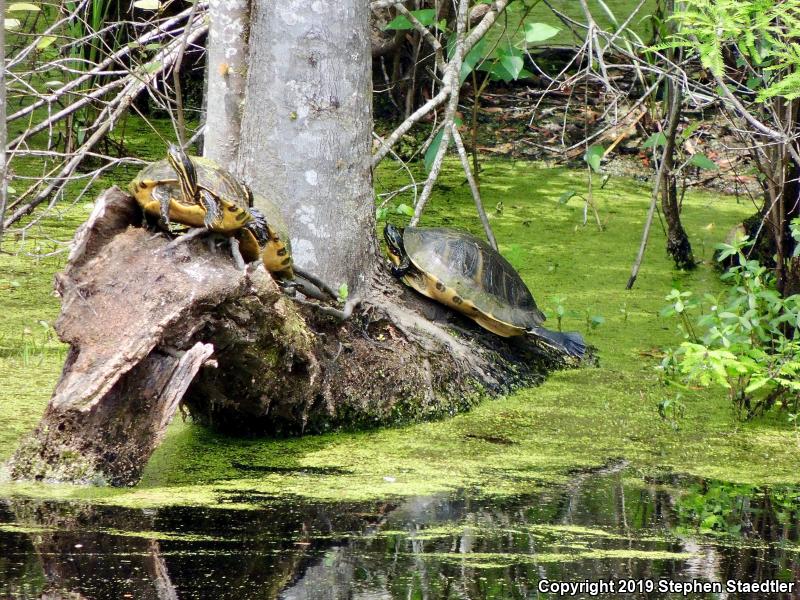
(196, 191)
(465, 273)
(267, 239)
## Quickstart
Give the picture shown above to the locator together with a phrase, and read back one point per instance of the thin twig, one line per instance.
(452, 79)
(176, 77)
(473, 186)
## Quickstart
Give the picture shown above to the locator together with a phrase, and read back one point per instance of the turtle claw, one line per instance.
(186, 237)
(401, 269)
(165, 210)
(211, 208)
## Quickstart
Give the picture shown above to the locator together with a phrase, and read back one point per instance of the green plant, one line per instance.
(762, 31)
(594, 321)
(31, 346)
(746, 343)
(344, 292)
(559, 309)
(719, 507)
(672, 410)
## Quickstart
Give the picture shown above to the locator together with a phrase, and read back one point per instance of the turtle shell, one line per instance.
(159, 178)
(467, 274)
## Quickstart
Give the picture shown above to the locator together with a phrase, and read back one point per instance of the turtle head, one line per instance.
(394, 241)
(184, 169)
(259, 227)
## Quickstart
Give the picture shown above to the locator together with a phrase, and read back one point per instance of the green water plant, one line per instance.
(720, 507)
(746, 342)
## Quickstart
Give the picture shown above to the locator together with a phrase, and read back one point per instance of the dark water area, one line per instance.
(642, 537)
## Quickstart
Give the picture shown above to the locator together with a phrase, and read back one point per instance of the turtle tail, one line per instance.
(570, 343)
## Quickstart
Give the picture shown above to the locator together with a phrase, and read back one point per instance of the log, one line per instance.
(150, 327)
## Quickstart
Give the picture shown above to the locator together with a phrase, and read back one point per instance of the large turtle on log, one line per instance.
(466, 274)
(193, 191)
(196, 191)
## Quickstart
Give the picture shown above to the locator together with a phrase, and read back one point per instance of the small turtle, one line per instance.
(267, 239)
(466, 274)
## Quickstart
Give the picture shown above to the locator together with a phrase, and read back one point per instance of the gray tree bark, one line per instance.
(3, 126)
(227, 73)
(306, 130)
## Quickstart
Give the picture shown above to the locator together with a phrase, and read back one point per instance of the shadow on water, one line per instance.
(603, 526)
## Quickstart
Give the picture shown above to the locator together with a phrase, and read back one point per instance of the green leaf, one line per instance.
(498, 71)
(343, 292)
(657, 139)
(596, 320)
(689, 130)
(754, 83)
(404, 209)
(593, 156)
(154, 66)
(23, 7)
(512, 64)
(539, 32)
(567, 196)
(45, 41)
(473, 57)
(426, 16)
(702, 161)
(11, 24)
(430, 153)
(147, 4)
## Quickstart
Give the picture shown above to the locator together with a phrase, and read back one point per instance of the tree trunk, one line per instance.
(226, 70)
(3, 126)
(678, 245)
(306, 131)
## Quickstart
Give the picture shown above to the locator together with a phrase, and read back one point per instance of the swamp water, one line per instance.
(373, 514)
(608, 525)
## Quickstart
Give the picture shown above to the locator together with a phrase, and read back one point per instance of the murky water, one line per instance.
(609, 526)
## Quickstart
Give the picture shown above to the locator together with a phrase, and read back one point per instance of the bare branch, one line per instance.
(452, 78)
(473, 186)
(409, 123)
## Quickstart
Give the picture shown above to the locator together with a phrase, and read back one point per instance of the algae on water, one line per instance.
(577, 419)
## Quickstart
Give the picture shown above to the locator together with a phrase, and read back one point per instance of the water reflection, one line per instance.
(603, 526)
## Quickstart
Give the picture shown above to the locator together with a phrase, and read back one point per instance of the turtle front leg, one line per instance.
(187, 237)
(211, 207)
(237, 254)
(164, 201)
(402, 269)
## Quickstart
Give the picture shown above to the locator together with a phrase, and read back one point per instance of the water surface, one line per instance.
(609, 526)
